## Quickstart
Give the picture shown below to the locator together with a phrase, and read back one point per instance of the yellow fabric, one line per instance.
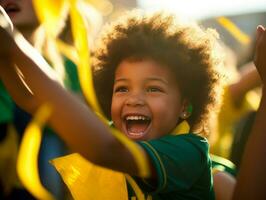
(87, 181)
(27, 163)
(135, 187)
(235, 31)
(80, 35)
(182, 128)
(227, 117)
(85, 76)
(8, 157)
(50, 13)
(67, 50)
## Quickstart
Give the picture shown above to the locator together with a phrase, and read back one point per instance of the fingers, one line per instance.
(260, 30)
(6, 41)
(6, 27)
(259, 38)
(259, 33)
(5, 21)
(260, 59)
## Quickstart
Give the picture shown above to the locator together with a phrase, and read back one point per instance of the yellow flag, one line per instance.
(27, 164)
(51, 14)
(87, 181)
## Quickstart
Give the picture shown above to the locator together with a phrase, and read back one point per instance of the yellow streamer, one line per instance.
(87, 181)
(234, 30)
(80, 177)
(135, 187)
(182, 128)
(67, 50)
(86, 81)
(50, 13)
(80, 36)
(136, 151)
(27, 164)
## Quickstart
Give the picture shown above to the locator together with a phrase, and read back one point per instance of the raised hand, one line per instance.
(6, 36)
(251, 178)
(5, 21)
(260, 53)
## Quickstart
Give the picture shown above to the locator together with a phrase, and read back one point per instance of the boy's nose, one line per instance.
(135, 100)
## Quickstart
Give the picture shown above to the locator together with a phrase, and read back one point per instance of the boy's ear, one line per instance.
(186, 110)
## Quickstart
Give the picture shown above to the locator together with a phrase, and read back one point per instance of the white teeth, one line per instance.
(135, 134)
(136, 118)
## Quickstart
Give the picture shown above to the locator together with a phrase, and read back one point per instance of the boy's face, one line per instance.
(21, 13)
(146, 101)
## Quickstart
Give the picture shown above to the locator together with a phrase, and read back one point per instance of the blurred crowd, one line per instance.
(230, 125)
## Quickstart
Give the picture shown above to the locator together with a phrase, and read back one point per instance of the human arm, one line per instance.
(224, 185)
(10, 72)
(174, 158)
(249, 79)
(251, 179)
(19, 91)
(71, 119)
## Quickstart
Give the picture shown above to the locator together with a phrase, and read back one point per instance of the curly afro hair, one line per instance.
(189, 51)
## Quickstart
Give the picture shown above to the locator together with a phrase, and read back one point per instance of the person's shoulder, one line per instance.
(187, 142)
(188, 137)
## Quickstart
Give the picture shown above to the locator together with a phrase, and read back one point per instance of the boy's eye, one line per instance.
(153, 89)
(121, 89)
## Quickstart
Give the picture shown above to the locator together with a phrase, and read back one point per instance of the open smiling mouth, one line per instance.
(137, 126)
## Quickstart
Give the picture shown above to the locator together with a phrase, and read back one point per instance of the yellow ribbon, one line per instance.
(239, 35)
(88, 181)
(27, 164)
(182, 128)
(50, 13)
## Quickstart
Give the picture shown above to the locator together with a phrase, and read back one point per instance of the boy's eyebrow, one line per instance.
(158, 79)
(120, 79)
(148, 79)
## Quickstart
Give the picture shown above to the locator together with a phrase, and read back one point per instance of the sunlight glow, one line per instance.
(199, 9)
